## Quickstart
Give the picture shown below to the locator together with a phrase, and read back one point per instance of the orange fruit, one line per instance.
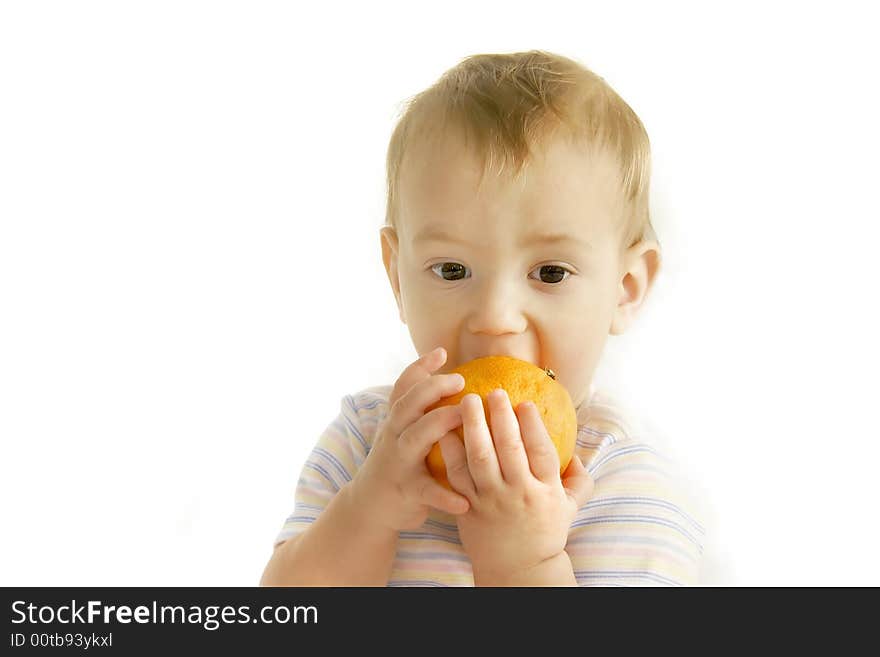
(522, 381)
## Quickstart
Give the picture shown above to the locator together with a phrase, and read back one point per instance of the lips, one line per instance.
(499, 353)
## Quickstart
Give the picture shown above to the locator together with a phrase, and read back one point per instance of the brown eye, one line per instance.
(553, 274)
(450, 271)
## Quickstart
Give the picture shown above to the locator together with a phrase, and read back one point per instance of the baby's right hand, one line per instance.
(394, 484)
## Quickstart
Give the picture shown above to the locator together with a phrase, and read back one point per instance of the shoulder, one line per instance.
(361, 413)
(613, 436)
(367, 407)
(370, 402)
(642, 507)
(346, 441)
(607, 429)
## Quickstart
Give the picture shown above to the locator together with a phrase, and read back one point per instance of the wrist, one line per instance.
(553, 571)
(367, 517)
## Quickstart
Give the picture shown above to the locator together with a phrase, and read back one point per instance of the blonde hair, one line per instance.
(509, 103)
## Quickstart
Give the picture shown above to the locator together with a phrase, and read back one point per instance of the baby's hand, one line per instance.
(394, 484)
(521, 510)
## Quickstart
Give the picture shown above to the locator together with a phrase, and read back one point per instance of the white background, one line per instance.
(191, 280)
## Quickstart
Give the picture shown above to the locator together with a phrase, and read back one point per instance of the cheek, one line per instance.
(574, 339)
(586, 313)
(424, 297)
(430, 324)
(574, 364)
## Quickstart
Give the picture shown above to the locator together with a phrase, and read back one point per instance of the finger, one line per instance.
(455, 458)
(412, 405)
(542, 454)
(481, 459)
(418, 438)
(578, 483)
(416, 371)
(511, 453)
(575, 466)
(433, 494)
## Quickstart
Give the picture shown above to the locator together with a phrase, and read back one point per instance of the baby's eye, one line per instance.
(454, 269)
(553, 273)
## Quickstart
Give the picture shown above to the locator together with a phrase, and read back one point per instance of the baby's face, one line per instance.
(529, 268)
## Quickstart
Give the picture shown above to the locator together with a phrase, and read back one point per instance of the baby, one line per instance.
(517, 224)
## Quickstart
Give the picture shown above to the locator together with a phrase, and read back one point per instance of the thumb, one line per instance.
(578, 483)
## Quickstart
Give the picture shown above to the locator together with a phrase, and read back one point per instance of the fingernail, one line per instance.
(433, 355)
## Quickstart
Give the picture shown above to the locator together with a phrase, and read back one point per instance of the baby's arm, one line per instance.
(340, 548)
(353, 542)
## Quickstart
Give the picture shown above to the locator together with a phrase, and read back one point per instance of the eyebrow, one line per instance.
(432, 234)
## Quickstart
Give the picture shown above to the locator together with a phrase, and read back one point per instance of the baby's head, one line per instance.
(517, 219)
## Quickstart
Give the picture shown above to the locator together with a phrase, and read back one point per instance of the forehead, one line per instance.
(564, 186)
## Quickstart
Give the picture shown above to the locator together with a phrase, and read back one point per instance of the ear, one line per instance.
(388, 238)
(639, 267)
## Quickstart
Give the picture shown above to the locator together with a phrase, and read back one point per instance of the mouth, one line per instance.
(499, 355)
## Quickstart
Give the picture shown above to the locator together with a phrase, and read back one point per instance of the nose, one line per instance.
(497, 308)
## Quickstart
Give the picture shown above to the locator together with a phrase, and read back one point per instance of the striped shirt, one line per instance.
(637, 529)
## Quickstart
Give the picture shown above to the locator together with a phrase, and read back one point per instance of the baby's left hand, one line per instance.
(521, 510)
